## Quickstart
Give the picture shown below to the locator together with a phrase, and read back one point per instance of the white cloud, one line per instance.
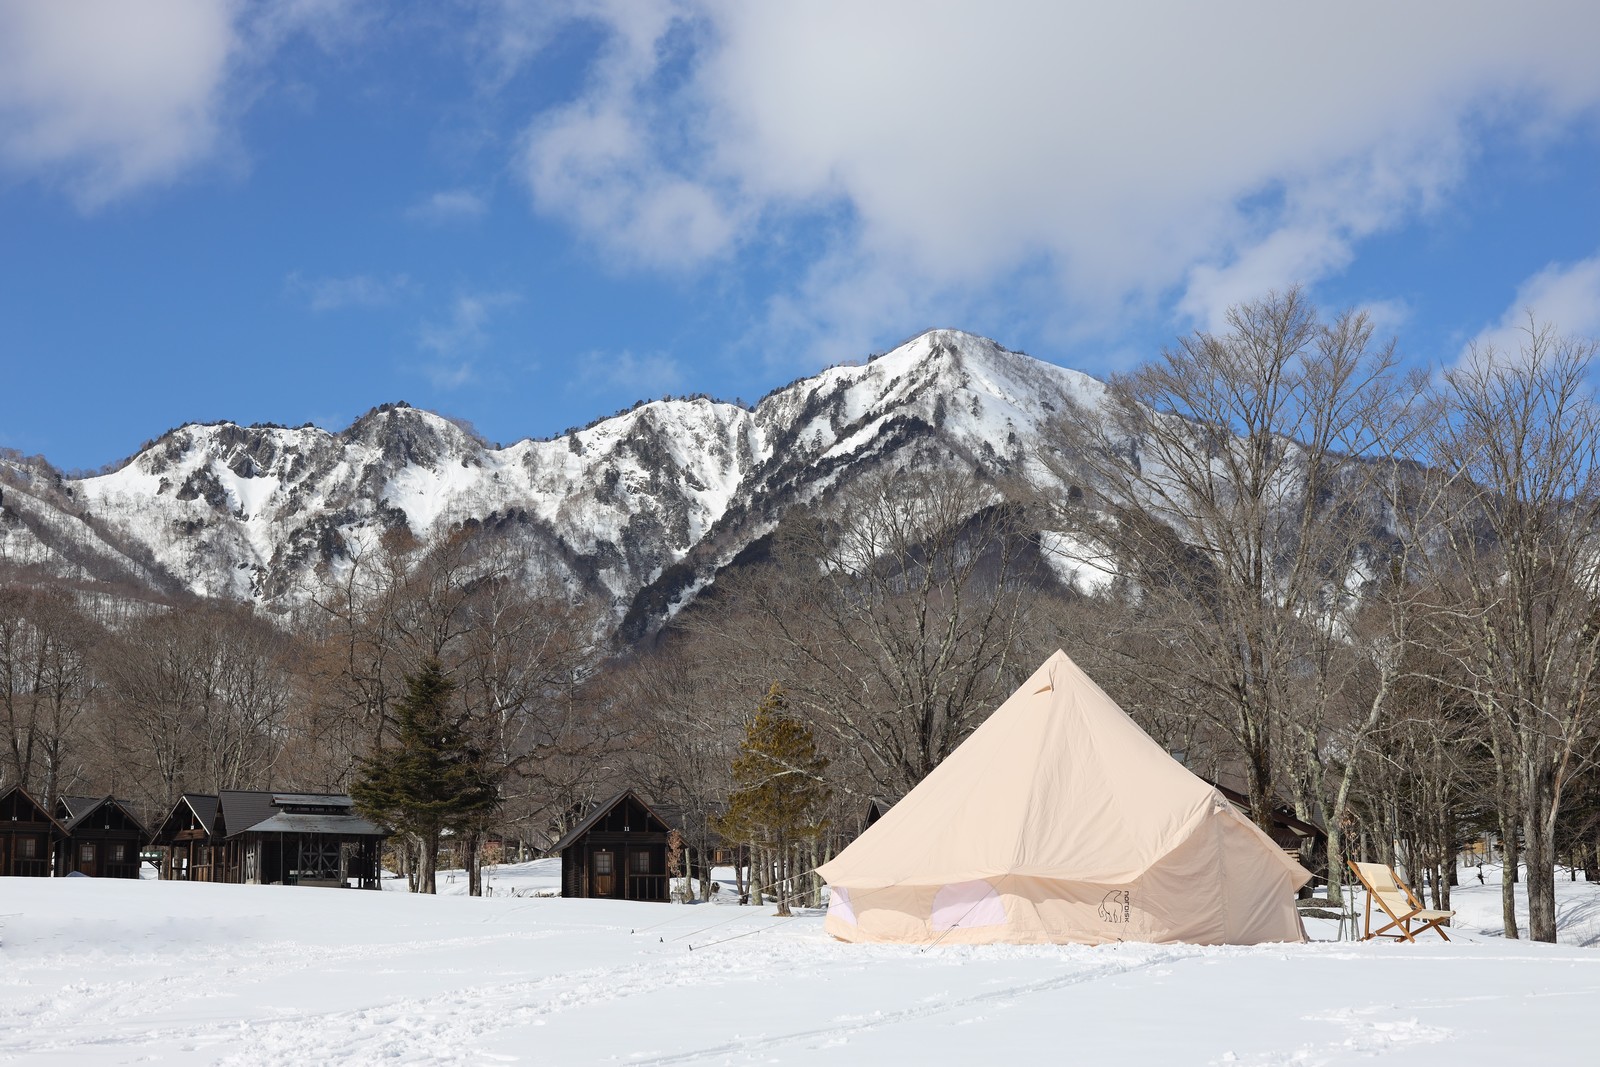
(111, 95)
(599, 160)
(466, 328)
(105, 97)
(1564, 297)
(352, 291)
(649, 375)
(1208, 151)
(449, 205)
(454, 340)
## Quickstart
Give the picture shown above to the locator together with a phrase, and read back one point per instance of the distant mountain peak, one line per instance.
(638, 510)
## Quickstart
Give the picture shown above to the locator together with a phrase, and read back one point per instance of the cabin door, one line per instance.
(640, 886)
(86, 858)
(605, 873)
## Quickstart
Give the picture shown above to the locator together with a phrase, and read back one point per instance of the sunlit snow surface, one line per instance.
(103, 972)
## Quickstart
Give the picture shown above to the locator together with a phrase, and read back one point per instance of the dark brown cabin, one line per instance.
(1287, 831)
(103, 837)
(617, 852)
(877, 808)
(187, 840)
(29, 836)
(269, 838)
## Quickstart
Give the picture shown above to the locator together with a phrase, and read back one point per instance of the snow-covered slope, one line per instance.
(105, 971)
(270, 513)
(266, 513)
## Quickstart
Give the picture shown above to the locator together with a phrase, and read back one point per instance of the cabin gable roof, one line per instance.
(17, 806)
(85, 812)
(605, 808)
(201, 807)
(269, 811)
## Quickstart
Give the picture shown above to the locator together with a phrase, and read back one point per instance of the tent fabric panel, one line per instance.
(967, 904)
(1184, 895)
(1106, 804)
(1031, 911)
(839, 905)
(1260, 897)
(894, 914)
(1086, 830)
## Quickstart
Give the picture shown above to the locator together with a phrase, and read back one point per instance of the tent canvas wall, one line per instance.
(1060, 820)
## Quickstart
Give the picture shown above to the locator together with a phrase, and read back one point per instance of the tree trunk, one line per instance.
(408, 860)
(785, 862)
(1508, 880)
(428, 863)
(1336, 866)
(472, 856)
(1540, 853)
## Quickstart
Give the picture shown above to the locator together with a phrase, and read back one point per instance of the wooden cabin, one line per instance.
(877, 808)
(29, 836)
(103, 838)
(268, 838)
(617, 852)
(188, 841)
(1288, 831)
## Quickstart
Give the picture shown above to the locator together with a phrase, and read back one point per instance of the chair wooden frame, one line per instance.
(1399, 903)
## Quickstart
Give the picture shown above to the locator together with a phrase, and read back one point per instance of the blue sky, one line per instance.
(531, 214)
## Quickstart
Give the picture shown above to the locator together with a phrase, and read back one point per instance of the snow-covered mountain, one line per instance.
(270, 514)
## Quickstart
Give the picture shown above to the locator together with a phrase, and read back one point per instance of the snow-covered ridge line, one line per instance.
(269, 513)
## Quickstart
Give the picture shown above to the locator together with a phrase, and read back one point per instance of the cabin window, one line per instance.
(86, 852)
(117, 852)
(29, 848)
(602, 863)
(641, 863)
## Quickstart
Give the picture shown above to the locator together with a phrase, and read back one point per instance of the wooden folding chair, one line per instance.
(1405, 911)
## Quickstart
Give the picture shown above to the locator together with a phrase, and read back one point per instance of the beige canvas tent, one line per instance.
(1060, 820)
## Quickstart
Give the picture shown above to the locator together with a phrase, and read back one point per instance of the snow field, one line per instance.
(105, 972)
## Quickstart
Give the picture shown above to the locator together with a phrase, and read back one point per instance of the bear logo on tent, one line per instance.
(1114, 908)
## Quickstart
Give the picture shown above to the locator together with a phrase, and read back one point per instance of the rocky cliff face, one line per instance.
(643, 505)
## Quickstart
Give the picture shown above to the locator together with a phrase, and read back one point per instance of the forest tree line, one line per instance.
(1368, 593)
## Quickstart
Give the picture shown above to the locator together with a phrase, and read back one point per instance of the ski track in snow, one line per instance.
(841, 1028)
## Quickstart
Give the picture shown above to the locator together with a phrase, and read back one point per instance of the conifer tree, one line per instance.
(778, 789)
(433, 778)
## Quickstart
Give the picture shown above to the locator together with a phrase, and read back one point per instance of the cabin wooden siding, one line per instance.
(618, 852)
(103, 839)
(187, 840)
(343, 846)
(29, 836)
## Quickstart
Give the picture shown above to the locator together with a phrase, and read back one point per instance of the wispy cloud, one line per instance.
(1562, 296)
(104, 98)
(466, 326)
(644, 375)
(351, 291)
(446, 206)
(460, 335)
(1077, 145)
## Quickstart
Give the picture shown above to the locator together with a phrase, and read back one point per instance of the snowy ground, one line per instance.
(101, 972)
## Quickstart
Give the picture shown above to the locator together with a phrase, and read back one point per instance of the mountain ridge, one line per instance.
(267, 513)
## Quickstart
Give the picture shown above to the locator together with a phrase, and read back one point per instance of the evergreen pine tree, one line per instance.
(433, 778)
(778, 790)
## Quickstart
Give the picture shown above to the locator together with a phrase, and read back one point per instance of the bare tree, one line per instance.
(46, 685)
(198, 697)
(894, 614)
(1524, 431)
(1227, 482)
